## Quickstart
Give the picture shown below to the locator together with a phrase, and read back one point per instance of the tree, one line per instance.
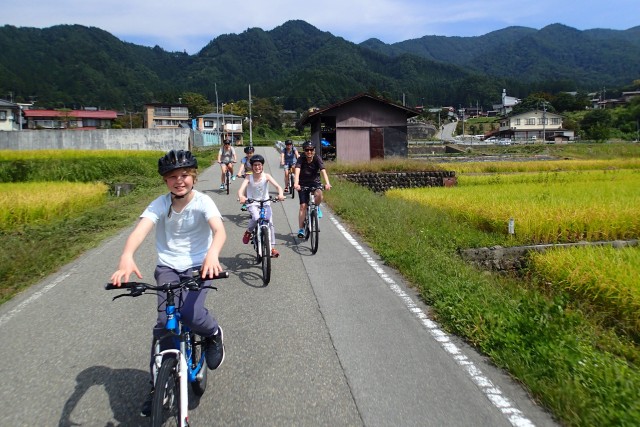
(596, 124)
(197, 104)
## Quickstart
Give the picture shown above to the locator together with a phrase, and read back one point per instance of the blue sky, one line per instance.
(188, 25)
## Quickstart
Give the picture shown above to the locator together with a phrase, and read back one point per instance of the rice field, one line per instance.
(605, 276)
(546, 207)
(32, 202)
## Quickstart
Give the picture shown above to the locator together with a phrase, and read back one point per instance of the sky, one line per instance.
(189, 25)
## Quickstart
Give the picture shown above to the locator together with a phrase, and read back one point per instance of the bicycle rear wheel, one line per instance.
(313, 231)
(165, 410)
(200, 384)
(266, 255)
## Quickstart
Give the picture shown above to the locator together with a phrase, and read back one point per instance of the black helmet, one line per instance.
(256, 158)
(248, 148)
(288, 142)
(176, 159)
(308, 144)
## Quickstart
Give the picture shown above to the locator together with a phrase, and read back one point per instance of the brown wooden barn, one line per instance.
(361, 128)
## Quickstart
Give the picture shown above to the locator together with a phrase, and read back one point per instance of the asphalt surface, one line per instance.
(336, 339)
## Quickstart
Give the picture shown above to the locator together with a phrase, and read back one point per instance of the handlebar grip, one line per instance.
(124, 285)
(221, 275)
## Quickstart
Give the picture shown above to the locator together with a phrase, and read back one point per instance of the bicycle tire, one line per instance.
(200, 384)
(313, 231)
(227, 179)
(292, 190)
(165, 409)
(266, 255)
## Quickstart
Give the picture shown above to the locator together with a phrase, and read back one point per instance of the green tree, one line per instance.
(596, 124)
(197, 104)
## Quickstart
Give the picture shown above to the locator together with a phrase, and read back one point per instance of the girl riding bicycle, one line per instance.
(257, 188)
(189, 236)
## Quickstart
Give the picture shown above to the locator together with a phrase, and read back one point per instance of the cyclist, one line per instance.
(189, 236)
(288, 158)
(257, 188)
(245, 167)
(308, 170)
(226, 158)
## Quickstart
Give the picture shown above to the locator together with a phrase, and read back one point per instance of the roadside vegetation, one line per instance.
(567, 327)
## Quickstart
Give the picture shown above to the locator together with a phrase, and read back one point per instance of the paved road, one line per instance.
(336, 339)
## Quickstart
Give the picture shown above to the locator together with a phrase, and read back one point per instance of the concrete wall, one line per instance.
(99, 139)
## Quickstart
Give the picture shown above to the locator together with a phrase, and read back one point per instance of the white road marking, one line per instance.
(32, 298)
(493, 393)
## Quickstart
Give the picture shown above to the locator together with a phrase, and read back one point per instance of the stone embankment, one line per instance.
(499, 258)
(380, 182)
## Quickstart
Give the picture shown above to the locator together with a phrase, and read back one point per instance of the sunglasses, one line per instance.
(309, 150)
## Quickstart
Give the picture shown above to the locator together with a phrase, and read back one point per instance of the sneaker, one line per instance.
(246, 237)
(286, 189)
(301, 233)
(145, 411)
(243, 208)
(319, 213)
(233, 177)
(222, 186)
(274, 253)
(214, 350)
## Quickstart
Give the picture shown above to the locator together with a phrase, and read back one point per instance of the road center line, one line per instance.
(493, 393)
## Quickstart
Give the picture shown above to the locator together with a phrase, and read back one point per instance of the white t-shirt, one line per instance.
(182, 238)
(258, 190)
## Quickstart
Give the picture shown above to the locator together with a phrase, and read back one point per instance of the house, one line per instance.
(361, 128)
(539, 125)
(165, 116)
(69, 119)
(508, 102)
(216, 127)
(10, 116)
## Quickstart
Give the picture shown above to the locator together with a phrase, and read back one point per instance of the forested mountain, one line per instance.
(72, 65)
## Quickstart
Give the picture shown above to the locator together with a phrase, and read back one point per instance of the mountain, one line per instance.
(73, 65)
(584, 59)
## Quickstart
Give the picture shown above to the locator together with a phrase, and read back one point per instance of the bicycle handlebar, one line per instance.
(193, 283)
(270, 199)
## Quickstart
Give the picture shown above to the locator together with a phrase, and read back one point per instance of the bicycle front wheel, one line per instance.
(200, 383)
(314, 231)
(165, 410)
(227, 180)
(292, 190)
(266, 255)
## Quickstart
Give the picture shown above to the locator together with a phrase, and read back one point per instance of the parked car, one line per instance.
(504, 141)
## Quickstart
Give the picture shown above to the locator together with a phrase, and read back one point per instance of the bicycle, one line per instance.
(184, 363)
(311, 229)
(261, 240)
(292, 170)
(227, 177)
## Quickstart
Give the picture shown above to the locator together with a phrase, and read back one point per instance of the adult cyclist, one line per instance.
(288, 158)
(308, 170)
(226, 158)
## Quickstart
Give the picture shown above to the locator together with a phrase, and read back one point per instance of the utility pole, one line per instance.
(250, 119)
